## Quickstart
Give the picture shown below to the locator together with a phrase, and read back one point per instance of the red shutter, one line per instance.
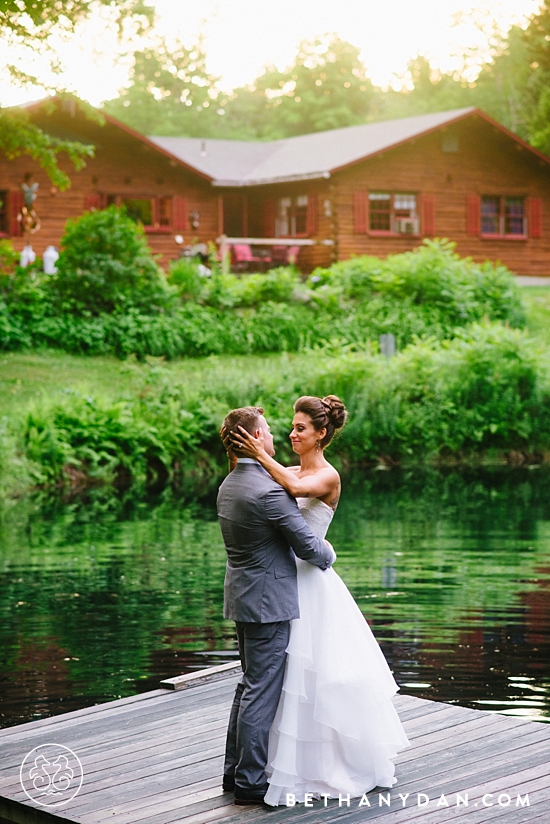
(360, 213)
(180, 214)
(269, 218)
(473, 215)
(92, 202)
(535, 217)
(15, 204)
(311, 215)
(428, 215)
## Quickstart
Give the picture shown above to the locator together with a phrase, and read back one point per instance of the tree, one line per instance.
(37, 20)
(537, 43)
(33, 22)
(430, 91)
(170, 93)
(325, 88)
(501, 89)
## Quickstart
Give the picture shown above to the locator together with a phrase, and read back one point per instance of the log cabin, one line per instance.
(377, 188)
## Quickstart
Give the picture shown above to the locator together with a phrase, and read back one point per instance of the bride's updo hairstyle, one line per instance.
(326, 413)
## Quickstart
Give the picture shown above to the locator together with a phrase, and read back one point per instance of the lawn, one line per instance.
(31, 376)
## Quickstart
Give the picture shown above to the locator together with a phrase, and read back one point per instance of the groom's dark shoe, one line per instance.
(252, 796)
(228, 784)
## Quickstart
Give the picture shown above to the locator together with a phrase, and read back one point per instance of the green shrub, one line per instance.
(459, 290)
(9, 258)
(105, 266)
(184, 275)
(118, 307)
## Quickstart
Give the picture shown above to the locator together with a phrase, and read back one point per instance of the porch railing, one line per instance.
(225, 242)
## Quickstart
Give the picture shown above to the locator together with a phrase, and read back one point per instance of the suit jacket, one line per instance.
(261, 525)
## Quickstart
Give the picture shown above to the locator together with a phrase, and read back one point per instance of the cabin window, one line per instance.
(152, 212)
(503, 216)
(4, 216)
(291, 220)
(139, 209)
(393, 213)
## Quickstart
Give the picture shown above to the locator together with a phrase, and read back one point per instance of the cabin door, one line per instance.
(234, 215)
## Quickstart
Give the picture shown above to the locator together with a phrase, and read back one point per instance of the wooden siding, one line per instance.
(448, 186)
(123, 166)
(487, 163)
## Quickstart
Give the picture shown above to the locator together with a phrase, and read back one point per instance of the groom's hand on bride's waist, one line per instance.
(333, 552)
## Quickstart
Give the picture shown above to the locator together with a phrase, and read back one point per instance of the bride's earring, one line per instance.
(318, 444)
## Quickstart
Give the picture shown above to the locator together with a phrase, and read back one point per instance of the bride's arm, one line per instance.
(312, 486)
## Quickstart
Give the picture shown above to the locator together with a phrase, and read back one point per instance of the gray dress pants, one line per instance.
(262, 648)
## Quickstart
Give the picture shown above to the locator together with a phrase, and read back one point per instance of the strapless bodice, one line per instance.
(317, 514)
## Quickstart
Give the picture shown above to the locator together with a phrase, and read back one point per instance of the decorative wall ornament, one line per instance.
(27, 217)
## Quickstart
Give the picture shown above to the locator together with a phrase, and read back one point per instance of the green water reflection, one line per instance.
(103, 597)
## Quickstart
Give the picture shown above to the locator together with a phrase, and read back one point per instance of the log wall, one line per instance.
(124, 166)
(487, 163)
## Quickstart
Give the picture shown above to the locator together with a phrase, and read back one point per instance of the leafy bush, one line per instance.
(105, 266)
(457, 290)
(430, 292)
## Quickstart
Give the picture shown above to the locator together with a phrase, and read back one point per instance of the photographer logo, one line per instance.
(51, 775)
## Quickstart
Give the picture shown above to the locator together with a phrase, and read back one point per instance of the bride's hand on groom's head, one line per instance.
(226, 440)
(247, 444)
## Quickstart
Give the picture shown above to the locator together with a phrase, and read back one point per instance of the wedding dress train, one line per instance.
(336, 729)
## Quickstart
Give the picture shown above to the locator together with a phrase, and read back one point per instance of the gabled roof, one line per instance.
(246, 163)
(307, 157)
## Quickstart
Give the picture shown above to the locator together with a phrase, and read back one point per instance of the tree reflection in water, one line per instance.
(103, 596)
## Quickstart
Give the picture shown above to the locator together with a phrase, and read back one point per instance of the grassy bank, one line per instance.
(484, 395)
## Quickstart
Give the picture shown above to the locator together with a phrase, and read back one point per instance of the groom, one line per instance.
(261, 526)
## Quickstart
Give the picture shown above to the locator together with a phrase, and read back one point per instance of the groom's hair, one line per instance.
(247, 416)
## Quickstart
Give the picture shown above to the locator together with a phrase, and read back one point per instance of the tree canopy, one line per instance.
(170, 93)
(327, 86)
(32, 23)
(37, 20)
(537, 44)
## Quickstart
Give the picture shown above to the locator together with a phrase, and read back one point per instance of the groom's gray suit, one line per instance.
(261, 525)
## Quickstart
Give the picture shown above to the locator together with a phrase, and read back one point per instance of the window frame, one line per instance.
(502, 234)
(292, 216)
(391, 231)
(155, 227)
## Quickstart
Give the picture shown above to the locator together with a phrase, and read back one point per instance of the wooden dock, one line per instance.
(156, 758)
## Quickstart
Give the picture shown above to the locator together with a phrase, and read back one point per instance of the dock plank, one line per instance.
(157, 758)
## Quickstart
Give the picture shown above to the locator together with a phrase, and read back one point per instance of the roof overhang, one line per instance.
(271, 180)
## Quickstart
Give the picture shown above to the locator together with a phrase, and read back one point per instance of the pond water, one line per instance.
(105, 596)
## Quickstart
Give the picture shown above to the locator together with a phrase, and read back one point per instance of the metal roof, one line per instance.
(249, 163)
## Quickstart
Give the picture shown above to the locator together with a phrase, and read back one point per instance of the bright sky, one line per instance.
(241, 36)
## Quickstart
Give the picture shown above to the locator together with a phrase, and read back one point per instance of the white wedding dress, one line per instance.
(336, 729)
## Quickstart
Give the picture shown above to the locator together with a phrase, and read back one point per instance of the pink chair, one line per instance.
(285, 255)
(242, 257)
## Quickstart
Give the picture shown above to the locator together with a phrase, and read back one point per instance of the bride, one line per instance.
(336, 729)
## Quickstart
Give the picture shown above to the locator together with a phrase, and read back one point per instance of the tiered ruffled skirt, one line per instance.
(336, 730)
